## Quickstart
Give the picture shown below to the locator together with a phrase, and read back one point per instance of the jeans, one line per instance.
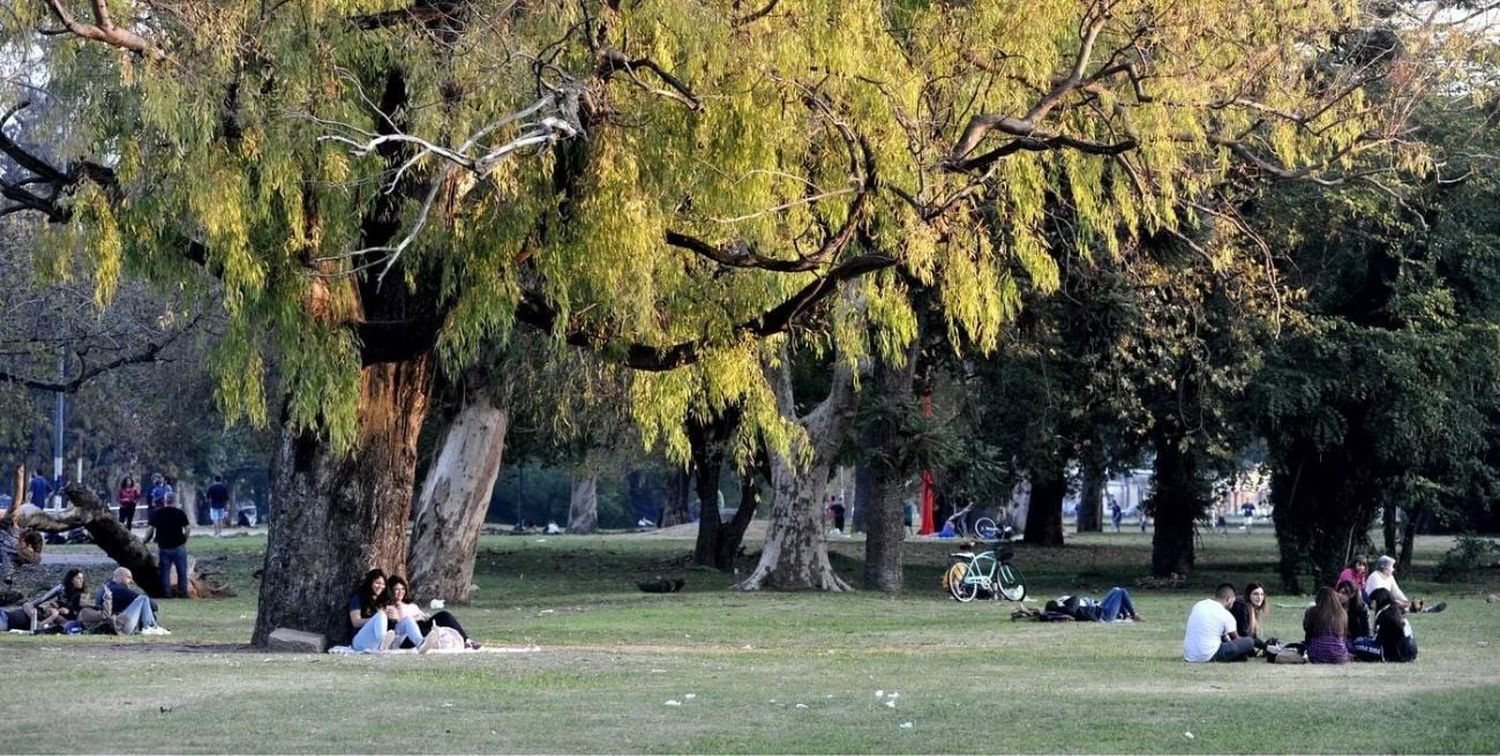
(169, 558)
(1116, 606)
(137, 616)
(1235, 650)
(368, 639)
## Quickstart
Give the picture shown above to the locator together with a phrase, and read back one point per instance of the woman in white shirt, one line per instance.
(1384, 576)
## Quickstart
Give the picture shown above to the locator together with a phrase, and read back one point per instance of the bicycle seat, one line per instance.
(962, 555)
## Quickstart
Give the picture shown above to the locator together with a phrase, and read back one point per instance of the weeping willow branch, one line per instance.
(104, 30)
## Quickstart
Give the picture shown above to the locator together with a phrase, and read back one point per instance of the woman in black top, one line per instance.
(1354, 604)
(1250, 611)
(66, 600)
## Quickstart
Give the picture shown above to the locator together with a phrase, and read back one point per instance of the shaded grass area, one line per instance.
(968, 678)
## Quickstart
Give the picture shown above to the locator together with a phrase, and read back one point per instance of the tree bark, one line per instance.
(455, 498)
(885, 525)
(1091, 497)
(1409, 536)
(675, 510)
(1044, 517)
(795, 555)
(1388, 525)
(718, 541)
(1178, 499)
(336, 515)
(583, 506)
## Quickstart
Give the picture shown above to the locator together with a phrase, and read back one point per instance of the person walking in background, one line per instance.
(1116, 515)
(1249, 511)
(41, 489)
(127, 497)
(157, 497)
(170, 526)
(218, 504)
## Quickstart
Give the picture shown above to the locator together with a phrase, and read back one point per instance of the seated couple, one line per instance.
(384, 618)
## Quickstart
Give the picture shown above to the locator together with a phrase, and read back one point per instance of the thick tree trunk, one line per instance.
(336, 515)
(455, 498)
(1409, 536)
(864, 497)
(675, 511)
(795, 555)
(1044, 516)
(718, 541)
(885, 526)
(583, 505)
(1091, 495)
(1178, 499)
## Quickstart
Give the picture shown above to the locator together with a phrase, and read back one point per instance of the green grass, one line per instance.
(610, 657)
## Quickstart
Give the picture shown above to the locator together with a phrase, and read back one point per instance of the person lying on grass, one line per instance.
(398, 593)
(1114, 607)
(379, 626)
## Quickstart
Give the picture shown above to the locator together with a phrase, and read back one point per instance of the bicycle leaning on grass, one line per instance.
(974, 572)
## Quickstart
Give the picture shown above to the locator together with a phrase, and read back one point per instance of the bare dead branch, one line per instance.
(104, 30)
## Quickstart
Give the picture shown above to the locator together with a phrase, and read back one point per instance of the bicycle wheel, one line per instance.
(961, 590)
(986, 529)
(1012, 585)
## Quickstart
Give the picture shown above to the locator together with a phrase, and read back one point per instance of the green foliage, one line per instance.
(223, 149)
(1469, 555)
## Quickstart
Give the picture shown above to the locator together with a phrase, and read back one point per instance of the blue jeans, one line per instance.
(169, 558)
(1116, 605)
(368, 639)
(137, 616)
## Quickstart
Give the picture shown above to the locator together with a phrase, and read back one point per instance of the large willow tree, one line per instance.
(382, 187)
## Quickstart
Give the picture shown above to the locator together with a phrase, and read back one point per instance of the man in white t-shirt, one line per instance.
(1211, 635)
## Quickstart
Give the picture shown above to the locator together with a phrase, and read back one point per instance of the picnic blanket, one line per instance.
(527, 649)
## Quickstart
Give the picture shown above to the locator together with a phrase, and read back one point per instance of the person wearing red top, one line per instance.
(1355, 573)
(127, 497)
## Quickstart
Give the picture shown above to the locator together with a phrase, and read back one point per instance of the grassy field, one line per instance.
(762, 672)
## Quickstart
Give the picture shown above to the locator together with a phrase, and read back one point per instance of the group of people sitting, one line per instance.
(384, 618)
(116, 608)
(1337, 628)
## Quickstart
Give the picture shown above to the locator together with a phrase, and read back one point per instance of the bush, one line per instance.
(1470, 555)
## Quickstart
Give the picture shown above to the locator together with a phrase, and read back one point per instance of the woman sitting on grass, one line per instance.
(1250, 612)
(1354, 604)
(62, 604)
(1392, 629)
(1326, 625)
(371, 620)
(398, 593)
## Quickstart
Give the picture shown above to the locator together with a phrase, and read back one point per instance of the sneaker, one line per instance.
(429, 643)
(473, 645)
(388, 640)
(1435, 609)
(155, 630)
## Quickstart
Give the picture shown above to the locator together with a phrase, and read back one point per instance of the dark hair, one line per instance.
(127, 481)
(1379, 598)
(391, 582)
(368, 600)
(1224, 591)
(218, 478)
(68, 589)
(1257, 614)
(1356, 597)
(1327, 616)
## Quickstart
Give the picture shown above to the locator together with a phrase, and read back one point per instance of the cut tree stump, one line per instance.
(296, 641)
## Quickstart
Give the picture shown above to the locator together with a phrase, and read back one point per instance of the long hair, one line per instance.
(68, 589)
(127, 482)
(1327, 616)
(1356, 597)
(389, 597)
(1258, 614)
(369, 601)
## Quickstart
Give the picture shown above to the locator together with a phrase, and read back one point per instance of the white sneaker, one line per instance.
(155, 630)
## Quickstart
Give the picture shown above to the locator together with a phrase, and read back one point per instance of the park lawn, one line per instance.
(762, 672)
